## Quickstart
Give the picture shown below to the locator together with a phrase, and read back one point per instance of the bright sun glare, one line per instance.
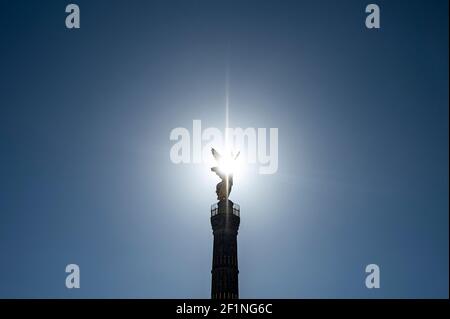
(229, 165)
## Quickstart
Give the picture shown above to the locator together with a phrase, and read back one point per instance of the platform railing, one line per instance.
(215, 210)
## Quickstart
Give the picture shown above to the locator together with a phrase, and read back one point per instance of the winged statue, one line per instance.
(223, 188)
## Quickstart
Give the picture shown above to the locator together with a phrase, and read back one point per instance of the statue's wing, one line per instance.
(216, 154)
(218, 173)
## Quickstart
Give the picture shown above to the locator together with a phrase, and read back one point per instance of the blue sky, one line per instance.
(86, 178)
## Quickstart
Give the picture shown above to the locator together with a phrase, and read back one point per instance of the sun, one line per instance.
(229, 165)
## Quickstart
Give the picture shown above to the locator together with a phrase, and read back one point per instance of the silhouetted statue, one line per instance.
(223, 189)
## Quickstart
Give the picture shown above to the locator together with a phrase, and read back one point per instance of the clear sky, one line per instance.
(85, 174)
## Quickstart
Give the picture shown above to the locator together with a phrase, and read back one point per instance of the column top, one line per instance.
(224, 207)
